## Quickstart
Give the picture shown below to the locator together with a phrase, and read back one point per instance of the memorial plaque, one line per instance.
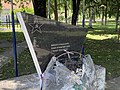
(47, 38)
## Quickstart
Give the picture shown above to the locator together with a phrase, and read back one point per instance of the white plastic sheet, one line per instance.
(58, 77)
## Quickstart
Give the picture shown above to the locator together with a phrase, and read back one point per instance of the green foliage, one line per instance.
(22, 7)
(27, 10)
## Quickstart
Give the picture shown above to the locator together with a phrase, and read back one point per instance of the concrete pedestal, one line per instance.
(31, 82)
(100, 77)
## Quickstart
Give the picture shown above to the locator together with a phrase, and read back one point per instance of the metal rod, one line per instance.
(14, 41)
(83, 50)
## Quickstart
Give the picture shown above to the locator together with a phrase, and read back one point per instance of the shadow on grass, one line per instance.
(99, 29)
(106, 53)
(2, 50)
(8, 36)
(102, 31)
(25, 66)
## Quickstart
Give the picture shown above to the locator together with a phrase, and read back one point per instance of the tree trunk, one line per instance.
(0, 4)
(105, 16)
(49, 9)
(94, 15)
(91, 18)
(117, 18)
(76, 4)
(65, 5)
(39, 7)
(56, 12)
(74, 9)
(102, 20)
(83, 14)
(89, 11)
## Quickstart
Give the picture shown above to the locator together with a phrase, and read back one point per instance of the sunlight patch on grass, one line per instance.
(100, 37)
(17, 30)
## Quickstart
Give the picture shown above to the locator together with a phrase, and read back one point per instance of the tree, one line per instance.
(92, 5)
(75, 4)
(56, 12)
(114, 6)
(117, 8)
(65, 6)
(103, 14)
(0, 5)
(91, 17)
(40, 7)
(83, 13)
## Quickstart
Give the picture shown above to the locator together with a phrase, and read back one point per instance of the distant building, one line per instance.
(6, 8)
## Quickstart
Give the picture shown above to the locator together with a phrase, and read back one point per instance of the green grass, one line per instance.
(101, 45)
(105, 53)
(2, 50)
(25, 66)
(104, 48)
(7, 35)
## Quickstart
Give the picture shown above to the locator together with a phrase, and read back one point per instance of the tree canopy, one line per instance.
(71, 9)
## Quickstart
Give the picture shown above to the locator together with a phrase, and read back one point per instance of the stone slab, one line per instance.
(28, 82)
(31, 82)
(113, 84)
(100, 77)
(46, 38)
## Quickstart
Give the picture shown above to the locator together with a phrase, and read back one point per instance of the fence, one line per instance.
(7, 23)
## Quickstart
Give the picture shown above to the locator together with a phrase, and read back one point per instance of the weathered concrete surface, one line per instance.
(58, 77)
(28, 82)
(31, 82)
(100, 77)
(113, 84)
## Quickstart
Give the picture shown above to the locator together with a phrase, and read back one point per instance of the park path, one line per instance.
(8, 53)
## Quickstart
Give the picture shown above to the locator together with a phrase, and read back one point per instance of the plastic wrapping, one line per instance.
(58, 77)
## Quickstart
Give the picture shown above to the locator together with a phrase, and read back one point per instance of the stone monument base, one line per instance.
(100, 77)
(31, 82)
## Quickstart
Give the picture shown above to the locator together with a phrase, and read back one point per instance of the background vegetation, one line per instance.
(100, 16)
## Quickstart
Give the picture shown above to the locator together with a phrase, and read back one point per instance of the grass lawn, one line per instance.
(106, 53)
(2, 50)
(7, 35)
(25, 66)
(104, 48)
(101, 45)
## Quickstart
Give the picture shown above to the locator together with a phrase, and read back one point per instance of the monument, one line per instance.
(56, 51)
